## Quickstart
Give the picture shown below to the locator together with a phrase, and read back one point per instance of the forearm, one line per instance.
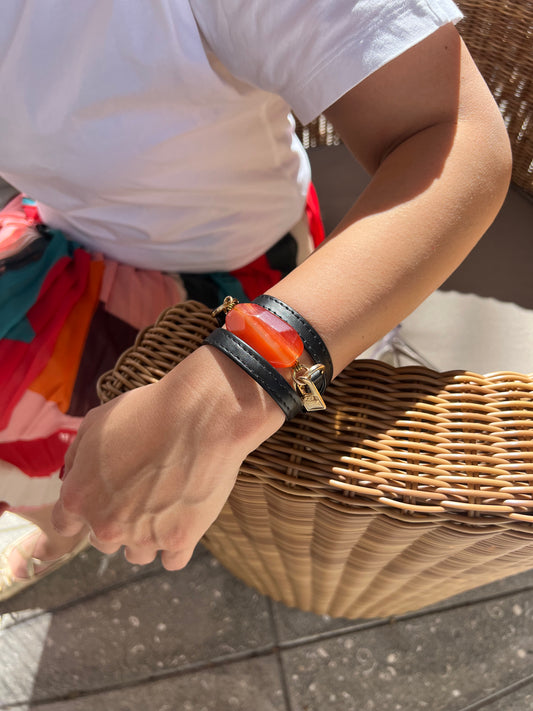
(428, 203)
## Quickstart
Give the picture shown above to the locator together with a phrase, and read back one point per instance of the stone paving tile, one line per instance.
(440, 662)
(167, 621)
(251, 685)
(293, 624)
(88, 573)
(520, 700)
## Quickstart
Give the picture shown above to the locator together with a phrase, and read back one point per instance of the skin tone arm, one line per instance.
(440, 161)
(152, 469)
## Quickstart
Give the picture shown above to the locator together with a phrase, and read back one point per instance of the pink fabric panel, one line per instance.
(13, 223)
(122, 285)
(34, 417)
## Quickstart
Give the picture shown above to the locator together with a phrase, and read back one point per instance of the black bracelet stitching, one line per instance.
(259, 377)
(314, 344)
(272, 382)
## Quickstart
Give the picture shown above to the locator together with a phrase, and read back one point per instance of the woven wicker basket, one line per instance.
(412, 486)
(499, 35)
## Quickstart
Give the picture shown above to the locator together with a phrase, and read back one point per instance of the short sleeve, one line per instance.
(311, 52)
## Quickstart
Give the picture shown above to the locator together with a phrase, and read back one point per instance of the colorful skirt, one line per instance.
(67, 314)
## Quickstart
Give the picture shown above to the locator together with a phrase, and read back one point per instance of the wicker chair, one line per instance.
(412, 486)
(506, 65)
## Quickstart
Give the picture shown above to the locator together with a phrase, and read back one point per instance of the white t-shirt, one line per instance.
(160, 132)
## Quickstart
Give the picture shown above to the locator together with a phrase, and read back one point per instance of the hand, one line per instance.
(152, 469)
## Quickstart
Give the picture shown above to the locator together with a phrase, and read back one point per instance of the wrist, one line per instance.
(232, 407)
(266, 337)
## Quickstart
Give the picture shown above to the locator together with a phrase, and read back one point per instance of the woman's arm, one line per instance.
(427, 129)
(153, 468)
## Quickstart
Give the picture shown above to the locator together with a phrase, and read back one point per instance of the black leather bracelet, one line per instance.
(259, 369)
(313, 344)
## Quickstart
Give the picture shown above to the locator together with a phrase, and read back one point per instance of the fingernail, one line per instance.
(62, 472)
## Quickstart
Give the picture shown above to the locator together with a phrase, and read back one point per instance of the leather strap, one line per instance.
(313, 344)
(257, 368)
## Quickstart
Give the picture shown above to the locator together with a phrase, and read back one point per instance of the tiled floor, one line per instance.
(102, 635)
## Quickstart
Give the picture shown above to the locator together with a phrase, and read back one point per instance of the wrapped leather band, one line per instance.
(313, 344)
(257, 368)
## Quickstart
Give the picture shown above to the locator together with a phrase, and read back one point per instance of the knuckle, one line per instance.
(107, 532)
(72, 501)
(144, 542)
(176, 540)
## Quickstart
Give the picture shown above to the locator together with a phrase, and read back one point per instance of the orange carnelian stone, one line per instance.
(267, 334)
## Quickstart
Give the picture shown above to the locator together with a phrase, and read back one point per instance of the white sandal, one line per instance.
(10, 585)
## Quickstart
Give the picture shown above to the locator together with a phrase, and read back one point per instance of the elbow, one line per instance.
(498, 160)
(503, 160)
(491, 163)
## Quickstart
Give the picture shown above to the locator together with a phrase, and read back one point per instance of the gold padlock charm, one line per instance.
(303, 382)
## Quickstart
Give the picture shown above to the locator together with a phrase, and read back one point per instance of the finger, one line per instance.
(173, 560)
(138, 555)
(70, 456)
(64, 522)
(106, 547)
(68, 460)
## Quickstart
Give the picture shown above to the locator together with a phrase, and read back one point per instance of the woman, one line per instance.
(159, 136)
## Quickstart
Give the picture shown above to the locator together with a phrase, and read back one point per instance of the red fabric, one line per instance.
(257, 277)
(31, 211)
(312, 211)
(38, 457)
(22, 362)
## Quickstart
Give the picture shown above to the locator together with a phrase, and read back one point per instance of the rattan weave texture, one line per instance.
(412, 486)
(499, 35)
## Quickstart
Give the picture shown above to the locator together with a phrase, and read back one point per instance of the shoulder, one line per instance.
(310, 52)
